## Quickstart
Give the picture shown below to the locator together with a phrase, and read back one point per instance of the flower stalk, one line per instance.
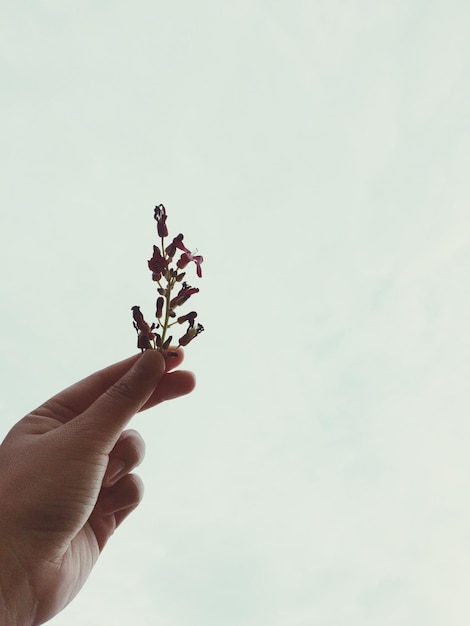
(167, 272)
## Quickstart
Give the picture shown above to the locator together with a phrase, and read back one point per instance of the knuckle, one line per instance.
(121, 391)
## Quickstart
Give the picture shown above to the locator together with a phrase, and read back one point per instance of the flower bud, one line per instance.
(166, 345)
(160, 217)
(176, 243)
(189, 317)
(160, 302)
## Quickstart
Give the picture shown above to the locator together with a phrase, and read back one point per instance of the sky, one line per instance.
(316, 154)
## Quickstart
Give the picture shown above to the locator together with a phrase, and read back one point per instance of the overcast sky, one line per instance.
(316, 153)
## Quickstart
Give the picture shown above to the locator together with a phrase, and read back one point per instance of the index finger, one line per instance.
(75, 399)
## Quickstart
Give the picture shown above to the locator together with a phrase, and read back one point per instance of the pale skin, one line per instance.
(66, 482)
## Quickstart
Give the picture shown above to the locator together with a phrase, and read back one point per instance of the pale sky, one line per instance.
(316, 154)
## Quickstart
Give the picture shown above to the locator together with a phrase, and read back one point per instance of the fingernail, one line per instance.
(150, 361)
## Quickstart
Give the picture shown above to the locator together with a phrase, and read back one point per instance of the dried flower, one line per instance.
(159, 307)
(190, 334)
(160, 217)
(157, 264)
(183, 294)
(145, 336)
(189, 317)
(188, 256)
(167, 274)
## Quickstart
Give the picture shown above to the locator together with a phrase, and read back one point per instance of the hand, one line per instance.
(65, 483)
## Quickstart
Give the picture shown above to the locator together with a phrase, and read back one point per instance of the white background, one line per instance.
(316, 153)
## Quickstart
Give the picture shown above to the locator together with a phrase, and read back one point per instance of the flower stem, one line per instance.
(169, 287)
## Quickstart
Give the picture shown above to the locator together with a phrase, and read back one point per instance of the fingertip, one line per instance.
(190, 382)
(173, 385)
(173, 358)
(177, 384)
(151, 363)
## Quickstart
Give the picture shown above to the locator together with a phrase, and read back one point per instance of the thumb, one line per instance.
(105, 419)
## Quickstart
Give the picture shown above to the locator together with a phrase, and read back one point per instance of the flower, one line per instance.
(190, 334)
(145, 336)
(187, 256)
(183, 294)
(176, 243)
(189, 317)
(166, 271)
(159, 307)
(157, 264)
(160, 217)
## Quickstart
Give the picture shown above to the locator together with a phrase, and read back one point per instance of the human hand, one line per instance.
(65, 482)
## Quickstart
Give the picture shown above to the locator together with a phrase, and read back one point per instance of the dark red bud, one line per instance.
(189, 317)
(176, 243)
(166, 345)
(160, 302)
